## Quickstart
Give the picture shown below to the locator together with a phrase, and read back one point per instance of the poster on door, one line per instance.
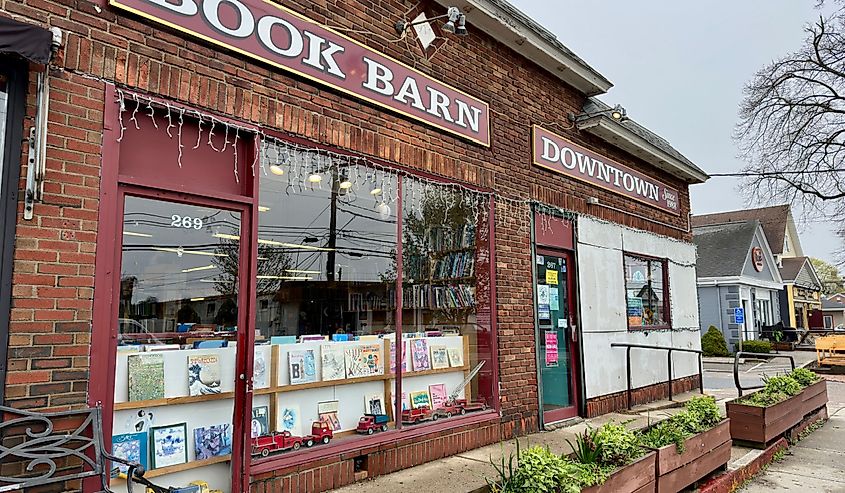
(551, 349)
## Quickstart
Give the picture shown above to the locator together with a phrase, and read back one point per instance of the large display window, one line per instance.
(350, 344)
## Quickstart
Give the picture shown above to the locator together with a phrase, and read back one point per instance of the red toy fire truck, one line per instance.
(370, 423)
(413, 416)
(279, 441)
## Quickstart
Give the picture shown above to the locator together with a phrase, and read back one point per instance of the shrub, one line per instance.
(713, 343)
(804, 376)
(759, 347)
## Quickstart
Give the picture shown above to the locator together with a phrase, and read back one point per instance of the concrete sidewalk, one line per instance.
(816, 463)
(466, 472)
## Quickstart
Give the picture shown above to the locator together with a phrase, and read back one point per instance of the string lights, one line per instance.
(306, 167)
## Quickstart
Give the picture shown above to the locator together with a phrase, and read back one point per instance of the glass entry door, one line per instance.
(178, 324)
(554, 307)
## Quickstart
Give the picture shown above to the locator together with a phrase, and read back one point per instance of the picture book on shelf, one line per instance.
(374, 404)
(438, 395)
(404, 401)
(328, 413)
(146, 376)
(333, 358)
(289, 419)
(393, 356)
(169, 445)
(260, 374)
(129, 446)
(456, 357)
(420, 399)
(302, 367)
(212, 441)
(419, 353)
(260, 424)
(203, 374)
(364, 360)
(439, 357)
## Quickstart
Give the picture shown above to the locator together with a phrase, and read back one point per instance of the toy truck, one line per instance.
(413, 416)
(321, 432)
(370, 423)
(275, 442)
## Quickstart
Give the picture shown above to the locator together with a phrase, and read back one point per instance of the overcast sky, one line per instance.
(679, 67)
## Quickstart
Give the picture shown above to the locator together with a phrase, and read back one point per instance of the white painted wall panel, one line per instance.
(602, 293)
(603, 313)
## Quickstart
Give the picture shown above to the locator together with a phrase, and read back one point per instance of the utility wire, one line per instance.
(780, 173)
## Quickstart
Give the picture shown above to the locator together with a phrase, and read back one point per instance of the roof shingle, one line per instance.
(773, 219)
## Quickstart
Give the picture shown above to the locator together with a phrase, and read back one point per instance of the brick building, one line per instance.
(260, 215)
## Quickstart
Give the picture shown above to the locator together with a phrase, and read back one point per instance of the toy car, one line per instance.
(413, 416)
(321, 432)
(264, 444)
(370, 423)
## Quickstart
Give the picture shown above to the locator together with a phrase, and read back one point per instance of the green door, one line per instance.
(554, 330)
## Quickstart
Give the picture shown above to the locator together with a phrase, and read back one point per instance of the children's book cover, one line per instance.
(146, 376)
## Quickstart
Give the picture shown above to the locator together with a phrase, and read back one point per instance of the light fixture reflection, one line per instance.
(276, 170)
(376, 191)
(197, 299)
(180, 252)
(139, 235)
(273, 243)
(314, 178)
(197, 269)
(286, 278)
(345, 184)
(263, 208)
(299, 271)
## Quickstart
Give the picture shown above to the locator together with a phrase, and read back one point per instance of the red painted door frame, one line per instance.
(107, 284)
(571, 341)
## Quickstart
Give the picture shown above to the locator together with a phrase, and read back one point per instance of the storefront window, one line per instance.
(177, 327)
(647, 291)
(446, 308)
(327, 315)
(326, 295)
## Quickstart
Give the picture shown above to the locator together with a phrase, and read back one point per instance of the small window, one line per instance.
(828, 322)
(264, 304)
(647, 292)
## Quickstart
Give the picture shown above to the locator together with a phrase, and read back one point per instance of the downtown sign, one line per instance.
(270, 33)
(553, 152)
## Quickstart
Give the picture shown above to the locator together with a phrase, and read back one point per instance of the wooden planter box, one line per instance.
(763, 424)
(703, 454)
(637, 477)
(814, 397)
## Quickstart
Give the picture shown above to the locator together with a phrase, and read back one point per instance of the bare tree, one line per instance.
(792, 124)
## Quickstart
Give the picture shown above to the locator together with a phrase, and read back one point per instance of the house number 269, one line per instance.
(187, 222)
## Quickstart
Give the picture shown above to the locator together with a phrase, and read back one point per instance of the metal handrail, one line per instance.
(629, 346)
(740, 354)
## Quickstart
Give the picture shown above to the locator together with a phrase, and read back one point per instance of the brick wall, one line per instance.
(53, 276)
(54, 259)
(650, 393)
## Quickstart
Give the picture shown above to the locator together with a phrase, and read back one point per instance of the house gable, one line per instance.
(769, 272)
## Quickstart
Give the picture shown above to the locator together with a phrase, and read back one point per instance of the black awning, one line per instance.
(26, 40)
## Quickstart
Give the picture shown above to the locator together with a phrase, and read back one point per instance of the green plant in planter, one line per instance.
(782, 384)
(585, 450)
(705, 410)
(804, 377)
(776, 389)
(541, 471)
(664, 434)
(619, 446)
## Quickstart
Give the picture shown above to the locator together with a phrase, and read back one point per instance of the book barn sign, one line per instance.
(285, 39)
(553, 152)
